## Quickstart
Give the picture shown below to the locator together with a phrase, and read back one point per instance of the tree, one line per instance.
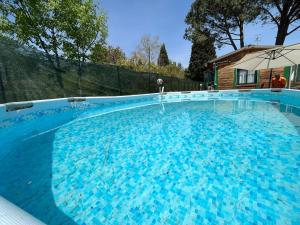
(107, 54)
(285, 14)
(163, 59)
(136, 59)
(83, 27)
(225, 19)
(148, 49)
(203, 50)
(36, 23)
(179, 65)
(5, 28)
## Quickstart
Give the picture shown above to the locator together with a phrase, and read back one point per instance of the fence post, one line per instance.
(149, 83)
(156, 77)
(2, 89)
(119, 81)
(178, 89)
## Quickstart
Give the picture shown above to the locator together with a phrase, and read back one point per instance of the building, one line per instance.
(226, 77)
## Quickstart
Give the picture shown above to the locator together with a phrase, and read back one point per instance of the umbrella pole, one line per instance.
(270, 78)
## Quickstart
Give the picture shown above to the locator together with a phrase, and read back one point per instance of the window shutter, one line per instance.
(297, 75)
(257, 73)
(286, 72)
(216, 78)
(234, 77)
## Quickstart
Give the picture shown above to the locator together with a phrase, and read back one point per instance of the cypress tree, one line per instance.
(202, 51)
(163, 59)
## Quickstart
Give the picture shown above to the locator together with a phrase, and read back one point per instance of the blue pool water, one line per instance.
(196, 162)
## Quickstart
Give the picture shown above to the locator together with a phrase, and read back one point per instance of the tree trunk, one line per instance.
(57, 68)
(241, 26)
(230, 37)
(43, 45)
(231, 41)
(58, 73)
(57, 60)
(283, 25)
(281, 33)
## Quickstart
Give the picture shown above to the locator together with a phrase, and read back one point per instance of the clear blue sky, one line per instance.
(129, 20)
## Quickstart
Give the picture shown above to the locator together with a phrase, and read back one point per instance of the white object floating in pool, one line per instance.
(13, 215)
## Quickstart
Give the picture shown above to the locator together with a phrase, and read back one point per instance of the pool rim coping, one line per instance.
(149, 94)
(13, 109)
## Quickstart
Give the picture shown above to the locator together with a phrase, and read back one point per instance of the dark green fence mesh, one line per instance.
(25, 74)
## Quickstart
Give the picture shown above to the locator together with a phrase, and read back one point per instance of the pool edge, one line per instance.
(13, 215)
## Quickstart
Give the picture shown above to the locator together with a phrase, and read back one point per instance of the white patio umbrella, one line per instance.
(271, 58)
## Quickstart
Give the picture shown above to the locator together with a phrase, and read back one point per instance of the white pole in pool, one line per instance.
(291, 78)
(160, 84)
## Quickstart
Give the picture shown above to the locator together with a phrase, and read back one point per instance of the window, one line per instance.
(296, 69)
(246, 77)
(294, 73)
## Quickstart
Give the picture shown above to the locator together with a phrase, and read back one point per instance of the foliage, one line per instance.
(34, 22)
(107, 54)
(170, 70)
(163, 59)
(202, 52)
(146, 55)
(68, 28)
(285, 14)
(83, 28)
(147, 49)
(5, 26)
(225, 20)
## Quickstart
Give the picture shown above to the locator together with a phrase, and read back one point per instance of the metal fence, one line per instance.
(26, 75)
(122, 81)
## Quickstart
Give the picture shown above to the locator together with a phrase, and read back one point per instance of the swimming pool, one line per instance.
(223, 157)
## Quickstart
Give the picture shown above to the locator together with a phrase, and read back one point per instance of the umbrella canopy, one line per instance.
(271, 58)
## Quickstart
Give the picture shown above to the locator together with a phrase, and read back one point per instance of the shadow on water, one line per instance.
(26, 173)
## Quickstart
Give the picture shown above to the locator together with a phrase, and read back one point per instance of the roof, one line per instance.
(258, 47)
(271, 58)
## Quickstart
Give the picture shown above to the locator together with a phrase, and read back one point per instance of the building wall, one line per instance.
(226, 77)
(227, 81)
(265, 76)
(226, 71)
